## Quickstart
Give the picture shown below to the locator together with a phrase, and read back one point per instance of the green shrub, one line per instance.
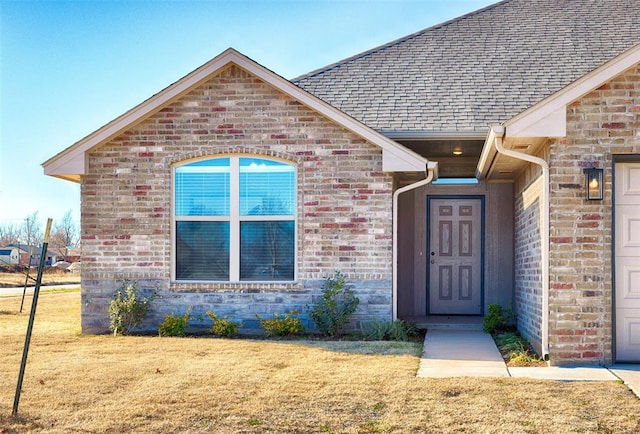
(335, 307)
(128, 308)
(175, 325)
(285, 325)
(516, 350)
(498, 319)
(222, 326)
(397, 330)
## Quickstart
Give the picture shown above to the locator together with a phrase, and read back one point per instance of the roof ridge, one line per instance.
(395, 42)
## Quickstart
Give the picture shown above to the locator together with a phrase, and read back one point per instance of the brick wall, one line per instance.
(528, 271)
(599, 125)
(344, 201)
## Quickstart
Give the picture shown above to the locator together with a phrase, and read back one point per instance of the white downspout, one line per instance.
(431, 168)
(498, 132)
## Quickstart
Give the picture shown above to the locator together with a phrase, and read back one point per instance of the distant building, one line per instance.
(31, 254)
(9, 256)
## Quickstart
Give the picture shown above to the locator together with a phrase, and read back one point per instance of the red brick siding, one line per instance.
(599, 125)
(344, 200)
(528, 271)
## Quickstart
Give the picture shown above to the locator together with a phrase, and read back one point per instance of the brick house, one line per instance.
(441, 173)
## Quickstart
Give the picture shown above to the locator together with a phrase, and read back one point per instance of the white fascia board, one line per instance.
(432, 135)
(392, 162)
(71, 161)
(70, 168)
(552, 124)
(548, 117)
(488, 153)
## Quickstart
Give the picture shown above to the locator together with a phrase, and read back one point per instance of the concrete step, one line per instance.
(445, 322)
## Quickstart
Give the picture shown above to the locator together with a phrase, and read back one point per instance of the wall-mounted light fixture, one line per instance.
(594, 183)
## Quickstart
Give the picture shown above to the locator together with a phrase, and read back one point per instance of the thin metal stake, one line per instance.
(34, 304)
(26, 279)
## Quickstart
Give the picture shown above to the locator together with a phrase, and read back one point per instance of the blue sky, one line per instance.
(69, 67)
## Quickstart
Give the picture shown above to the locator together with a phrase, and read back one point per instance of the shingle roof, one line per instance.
(479, 69)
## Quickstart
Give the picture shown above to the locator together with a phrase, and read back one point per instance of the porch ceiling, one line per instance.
(462, 164)
(504, 168)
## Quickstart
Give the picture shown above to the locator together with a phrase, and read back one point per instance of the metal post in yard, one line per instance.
(26, 280)
(34, 304)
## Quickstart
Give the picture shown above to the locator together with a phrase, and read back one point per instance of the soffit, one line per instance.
(503, 168)
(457, 158)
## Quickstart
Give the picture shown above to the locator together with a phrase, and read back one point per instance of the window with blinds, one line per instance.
(235, 220)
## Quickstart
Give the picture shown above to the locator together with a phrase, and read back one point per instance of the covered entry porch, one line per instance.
(455, 241)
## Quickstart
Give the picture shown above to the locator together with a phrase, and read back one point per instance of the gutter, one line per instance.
(432, 173)
(496, 134)
(432, 135)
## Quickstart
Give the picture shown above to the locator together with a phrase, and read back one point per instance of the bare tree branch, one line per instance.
(31, 231)
(65, 235)
(9, 234)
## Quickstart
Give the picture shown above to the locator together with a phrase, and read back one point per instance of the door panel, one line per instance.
(455, 256)
(627, 257)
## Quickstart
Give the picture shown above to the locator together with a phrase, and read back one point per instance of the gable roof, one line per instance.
(70, 164)
(548, 118)
(480, 69)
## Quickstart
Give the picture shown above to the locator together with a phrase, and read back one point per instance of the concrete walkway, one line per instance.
(460, 353)
(464, 353)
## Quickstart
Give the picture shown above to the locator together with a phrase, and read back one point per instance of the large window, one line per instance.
(235, 220)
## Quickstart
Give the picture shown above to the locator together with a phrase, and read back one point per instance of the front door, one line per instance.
(627, 259)
(455, 256)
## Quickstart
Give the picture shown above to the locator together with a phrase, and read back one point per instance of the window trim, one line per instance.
(234, 219)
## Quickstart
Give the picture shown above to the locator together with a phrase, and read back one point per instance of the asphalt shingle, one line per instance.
(479, 69)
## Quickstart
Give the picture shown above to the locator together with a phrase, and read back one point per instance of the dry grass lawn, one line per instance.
(97, 384)
(50, 276)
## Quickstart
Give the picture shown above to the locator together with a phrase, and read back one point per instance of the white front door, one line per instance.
(455, 256)
(627, 261)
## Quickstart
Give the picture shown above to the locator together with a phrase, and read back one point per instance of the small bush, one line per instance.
(397, 330)
(128, 308)
(516, 350)
(175, 325)
(285, 325)
(498, 319)
(335, 307)
(222, 326)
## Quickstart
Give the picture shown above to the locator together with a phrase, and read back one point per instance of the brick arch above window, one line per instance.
(219, 151)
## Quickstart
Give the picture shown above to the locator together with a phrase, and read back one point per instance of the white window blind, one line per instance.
(235, 220)
(202, 188)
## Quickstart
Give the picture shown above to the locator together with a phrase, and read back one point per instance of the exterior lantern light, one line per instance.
(594, 183)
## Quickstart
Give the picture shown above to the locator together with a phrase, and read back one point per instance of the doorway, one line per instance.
(455, 255)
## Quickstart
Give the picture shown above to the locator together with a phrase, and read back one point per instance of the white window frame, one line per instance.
(234, 218)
